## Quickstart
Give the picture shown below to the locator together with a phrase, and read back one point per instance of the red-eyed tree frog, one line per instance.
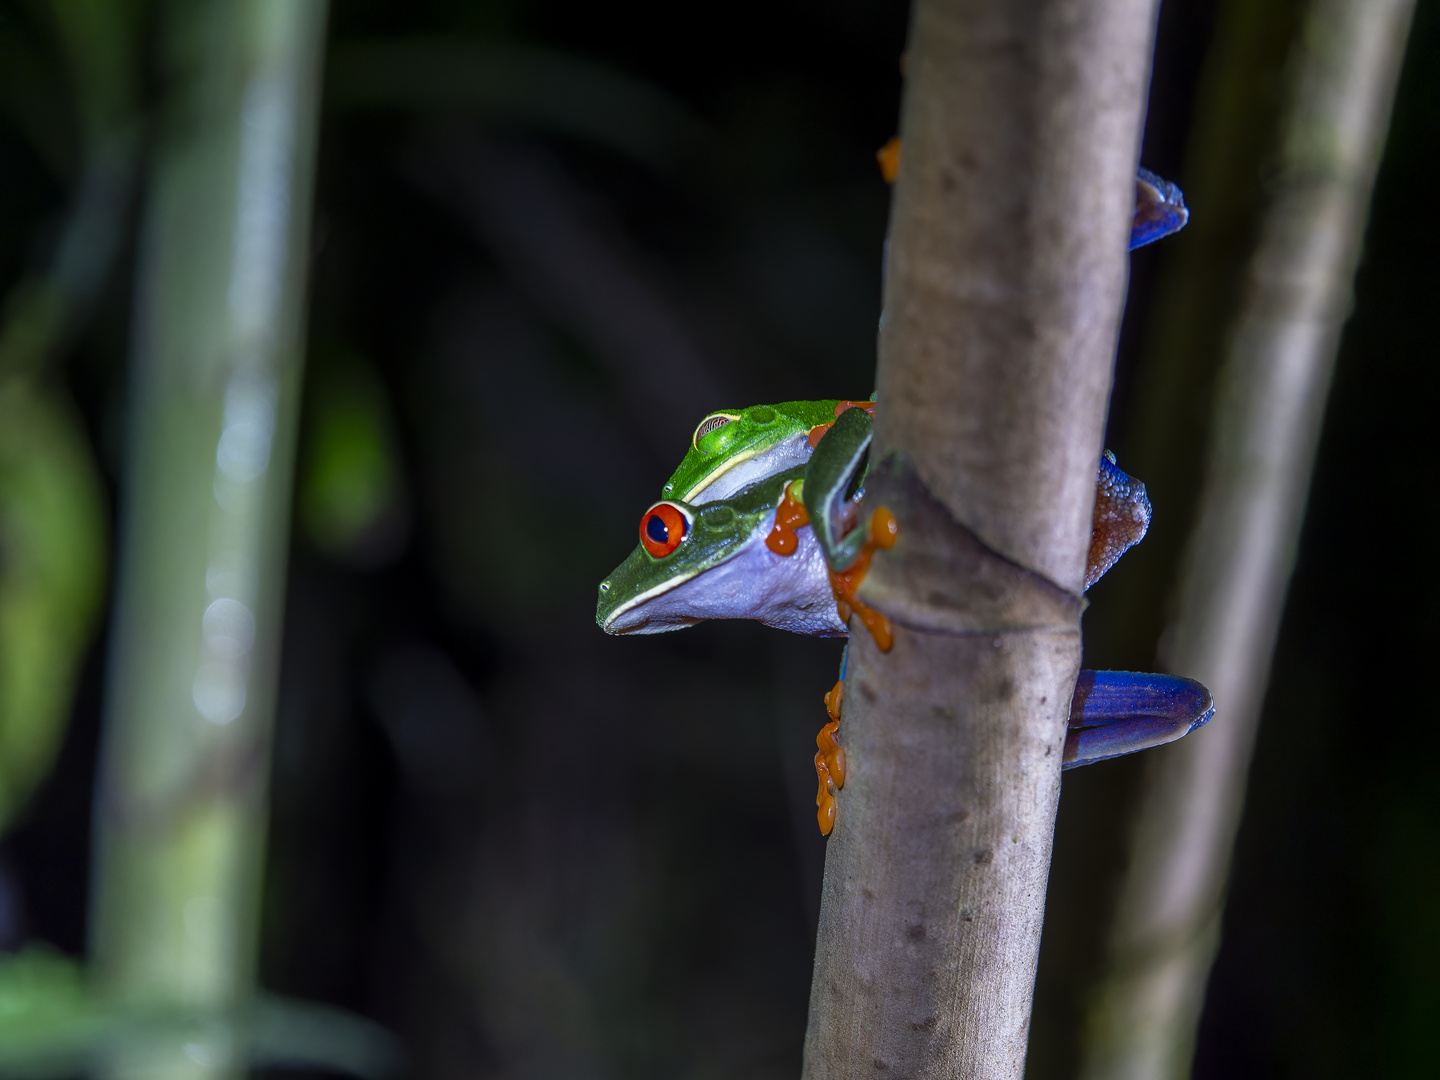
(789, 550)
(763, 520)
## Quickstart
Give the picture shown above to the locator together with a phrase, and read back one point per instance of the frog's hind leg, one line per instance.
(1159, 209)
(1114, 713)
(1121, 519)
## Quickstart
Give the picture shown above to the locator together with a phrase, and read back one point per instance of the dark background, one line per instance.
(534, 851)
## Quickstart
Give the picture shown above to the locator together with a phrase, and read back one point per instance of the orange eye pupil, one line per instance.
(662, 529)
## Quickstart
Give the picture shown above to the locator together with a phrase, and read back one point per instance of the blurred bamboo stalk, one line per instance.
(1002, 307)
(180, 813)
(1279, 353)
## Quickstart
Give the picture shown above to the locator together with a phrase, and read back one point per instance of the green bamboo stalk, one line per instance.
(1279, 345)
(1002, 307)
(180, 815)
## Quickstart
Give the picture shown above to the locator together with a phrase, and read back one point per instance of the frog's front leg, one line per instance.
(834, 487)
(835, 484)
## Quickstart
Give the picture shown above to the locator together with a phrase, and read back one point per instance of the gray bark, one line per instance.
(1008, 269)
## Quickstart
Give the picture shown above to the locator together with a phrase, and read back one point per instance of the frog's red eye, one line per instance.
(662, 528)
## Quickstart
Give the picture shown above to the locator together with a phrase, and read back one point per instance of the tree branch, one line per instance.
(1008, 267)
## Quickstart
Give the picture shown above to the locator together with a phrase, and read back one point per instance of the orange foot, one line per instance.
(818, 431)
(883, 531)
(789, 516)
(829, 762)
(825, 797)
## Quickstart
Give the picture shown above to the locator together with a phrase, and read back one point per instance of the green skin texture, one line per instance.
(746, 449)
(724, 570)
(646, 594)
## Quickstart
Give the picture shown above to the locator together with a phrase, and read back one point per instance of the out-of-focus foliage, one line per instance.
(517, 86)
(53, 524)
(351, 499)
(532, 850)
(53, 535)
(48, 1024)
(53, 1025)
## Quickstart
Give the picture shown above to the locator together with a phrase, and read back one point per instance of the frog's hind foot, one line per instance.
(825, 796)
(830, 762)
(1121, 519)
(1159, 209)
(1114, 713)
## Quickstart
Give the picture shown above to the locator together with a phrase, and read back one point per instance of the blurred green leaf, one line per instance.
(351, 495)
(51, 1025)
(53, 536)
(47, 1021)
(53, 524)
(292, 1033)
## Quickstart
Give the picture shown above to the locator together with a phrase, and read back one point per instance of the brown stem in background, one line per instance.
(1279, 352)
(1002, 305)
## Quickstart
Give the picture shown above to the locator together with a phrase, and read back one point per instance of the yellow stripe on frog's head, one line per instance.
(725, 466)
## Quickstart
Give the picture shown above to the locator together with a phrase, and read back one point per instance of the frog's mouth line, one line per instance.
(650, 594)
(671, 584)
(788, 592)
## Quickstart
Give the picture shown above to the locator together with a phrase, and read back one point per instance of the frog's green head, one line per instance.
(710, 561)
(733, 448)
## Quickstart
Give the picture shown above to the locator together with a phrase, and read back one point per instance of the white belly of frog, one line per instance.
(788, 592)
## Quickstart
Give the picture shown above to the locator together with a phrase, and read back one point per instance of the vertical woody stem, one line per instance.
(217, 359)
(1270, 400)
(1008, 268)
